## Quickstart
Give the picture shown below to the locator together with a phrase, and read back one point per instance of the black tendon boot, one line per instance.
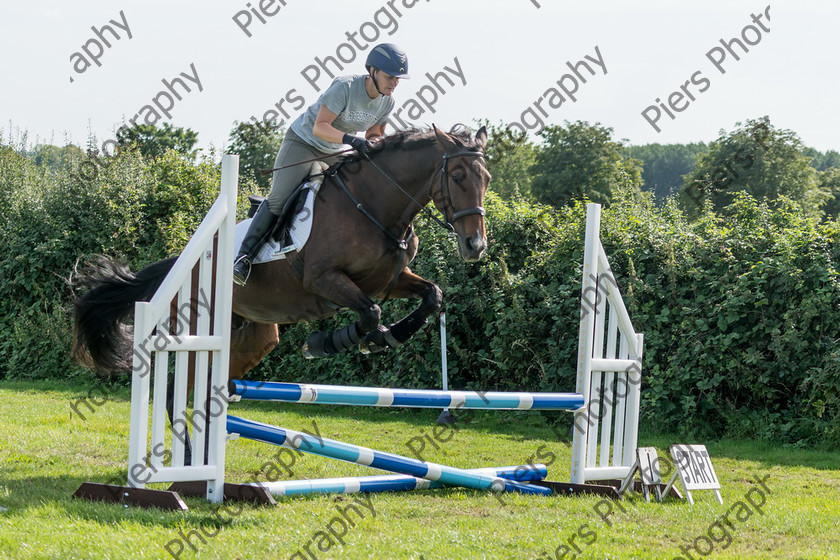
(261, 225)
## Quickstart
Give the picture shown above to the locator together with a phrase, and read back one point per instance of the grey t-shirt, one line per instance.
(355, 110)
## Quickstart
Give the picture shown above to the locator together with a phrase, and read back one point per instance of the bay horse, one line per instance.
(361, 243)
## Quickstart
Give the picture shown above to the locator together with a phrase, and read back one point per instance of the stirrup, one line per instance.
(242, 279)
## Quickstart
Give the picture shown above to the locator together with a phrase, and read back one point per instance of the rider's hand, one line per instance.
(359, 144)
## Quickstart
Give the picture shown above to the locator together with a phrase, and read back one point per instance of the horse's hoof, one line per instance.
(314, 345)
(374, 341)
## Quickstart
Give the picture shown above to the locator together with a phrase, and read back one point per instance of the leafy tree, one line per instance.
(510, 156)
(47, 155)
(756, 158)
(581, 160)
(153, 142)
(665, 165)
(257, 144)
(822, 161)
(829, 184)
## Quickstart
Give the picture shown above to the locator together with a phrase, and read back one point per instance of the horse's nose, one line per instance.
(476, 246)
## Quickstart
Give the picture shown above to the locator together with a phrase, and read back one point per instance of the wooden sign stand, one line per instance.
(647, 465)
(695, 470)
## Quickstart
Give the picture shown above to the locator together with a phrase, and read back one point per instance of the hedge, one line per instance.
(739, 308)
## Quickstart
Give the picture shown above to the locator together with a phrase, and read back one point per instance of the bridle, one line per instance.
(446, 223)
(445, 180)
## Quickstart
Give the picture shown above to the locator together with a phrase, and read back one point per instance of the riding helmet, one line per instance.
(389, 58)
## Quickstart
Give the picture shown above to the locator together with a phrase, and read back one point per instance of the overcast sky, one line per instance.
(60, 79)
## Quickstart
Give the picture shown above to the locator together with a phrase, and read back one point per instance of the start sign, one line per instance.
(694, 467)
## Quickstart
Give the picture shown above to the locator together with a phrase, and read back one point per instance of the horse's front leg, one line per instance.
(409, 285)
(337, 287)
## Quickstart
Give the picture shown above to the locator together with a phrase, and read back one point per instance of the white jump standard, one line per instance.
(605, 402)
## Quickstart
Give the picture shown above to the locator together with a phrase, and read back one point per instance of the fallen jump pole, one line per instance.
(391, 483)
(307, 443)
(412, 398)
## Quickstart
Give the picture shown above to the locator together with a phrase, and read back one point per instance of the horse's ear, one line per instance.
(481, 137)
(444, 140)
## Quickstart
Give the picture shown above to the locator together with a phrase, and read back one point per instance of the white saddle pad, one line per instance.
(300, 229)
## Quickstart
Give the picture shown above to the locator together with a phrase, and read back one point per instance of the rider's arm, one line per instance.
(324, 129)
(376, 131)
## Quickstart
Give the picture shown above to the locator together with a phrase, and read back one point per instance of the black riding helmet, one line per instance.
(389, 58)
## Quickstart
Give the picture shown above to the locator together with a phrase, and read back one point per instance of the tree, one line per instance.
(581, 160)
(756, 158)
(47, 155)
(509, 156)
(822, 161)
(257, 144)
(153, 142)
(664, 166)
(829, 184)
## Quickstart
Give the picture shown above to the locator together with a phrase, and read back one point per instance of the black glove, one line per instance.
(359, 144)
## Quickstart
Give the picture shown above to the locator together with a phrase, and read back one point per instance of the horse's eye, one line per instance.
(458, 177)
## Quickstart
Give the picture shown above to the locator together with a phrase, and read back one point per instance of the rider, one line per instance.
(350, 104)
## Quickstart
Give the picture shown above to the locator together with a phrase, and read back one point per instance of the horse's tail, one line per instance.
(101, 340)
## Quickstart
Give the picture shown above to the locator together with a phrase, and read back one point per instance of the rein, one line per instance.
(319, 158)
(401, 243)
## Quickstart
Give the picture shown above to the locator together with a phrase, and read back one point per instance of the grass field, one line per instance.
(46, 451)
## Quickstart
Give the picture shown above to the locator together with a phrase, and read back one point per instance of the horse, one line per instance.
(361, 243)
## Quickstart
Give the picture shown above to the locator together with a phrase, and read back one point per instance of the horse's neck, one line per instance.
(413, 171)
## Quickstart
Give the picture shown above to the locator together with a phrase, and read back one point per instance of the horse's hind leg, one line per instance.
(249, 344)
(409, 285)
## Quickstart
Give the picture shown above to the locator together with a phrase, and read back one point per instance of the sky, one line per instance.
(653, 71)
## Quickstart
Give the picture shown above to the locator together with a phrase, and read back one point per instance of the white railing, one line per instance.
(189, 317)
(609, 372)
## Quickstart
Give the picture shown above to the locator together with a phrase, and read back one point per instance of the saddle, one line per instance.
(280, 233)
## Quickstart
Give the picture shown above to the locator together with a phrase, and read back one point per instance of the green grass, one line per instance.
(46, 452)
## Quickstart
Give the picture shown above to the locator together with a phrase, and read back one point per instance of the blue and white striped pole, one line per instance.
(412, 398)
(390, 483)
(307, 443)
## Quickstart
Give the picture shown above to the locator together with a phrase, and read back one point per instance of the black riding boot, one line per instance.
(261, 225)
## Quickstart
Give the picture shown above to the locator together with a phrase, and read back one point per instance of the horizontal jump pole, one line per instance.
(324, 447)
(411, 398)
(390, 483)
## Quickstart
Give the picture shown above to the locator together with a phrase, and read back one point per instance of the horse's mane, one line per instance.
(415, 138)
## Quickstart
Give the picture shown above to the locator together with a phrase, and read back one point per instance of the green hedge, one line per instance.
(53, 218)
(739, 309)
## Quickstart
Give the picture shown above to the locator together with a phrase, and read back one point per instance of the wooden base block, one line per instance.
(129, 496)
(237, 492)
(568, 488)
(637, 487)
(607, 488)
